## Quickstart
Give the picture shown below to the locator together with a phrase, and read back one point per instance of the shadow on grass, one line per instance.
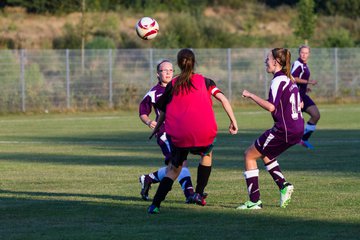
(25, 217)
(335, 150)
(77, 195)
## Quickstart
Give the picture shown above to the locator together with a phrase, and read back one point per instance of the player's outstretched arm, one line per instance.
(147, 121)
(158, 124)
(261, 102)
(233, 128)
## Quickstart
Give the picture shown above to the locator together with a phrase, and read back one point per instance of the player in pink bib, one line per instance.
(190, 125)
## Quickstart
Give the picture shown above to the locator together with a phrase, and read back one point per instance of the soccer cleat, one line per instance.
(190, 199)
(249, 205)
(306, 144)
(145, 187)
(152, 209)
(197, 198)
(285, 194)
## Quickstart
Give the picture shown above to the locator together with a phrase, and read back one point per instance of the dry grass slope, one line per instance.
(39, 31)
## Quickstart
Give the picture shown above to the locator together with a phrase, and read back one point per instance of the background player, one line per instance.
(301, 72)
(284, 104)
(190, 125)
(165, 73)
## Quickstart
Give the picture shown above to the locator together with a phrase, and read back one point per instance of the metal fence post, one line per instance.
(151, 62)
(67, 80)
(110, 80)
(336, 72)
(266, 86)
(229, 73)
(22, 79)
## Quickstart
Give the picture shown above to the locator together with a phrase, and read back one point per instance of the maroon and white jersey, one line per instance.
(300, 69)
(148, 102)
(284, 95)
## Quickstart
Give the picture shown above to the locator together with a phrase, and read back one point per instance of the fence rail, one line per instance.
(58, 80)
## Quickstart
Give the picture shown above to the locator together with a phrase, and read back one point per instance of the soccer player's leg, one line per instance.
(147, 180)
(286, 188)
(251, 175)
(178, 156)
(185, 182)
(203, 174)
(157, 176)
(310, 127)
(273, 149)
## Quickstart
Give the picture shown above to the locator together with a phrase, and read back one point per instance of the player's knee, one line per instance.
(316, 117)
(173, 172)
(247, 152)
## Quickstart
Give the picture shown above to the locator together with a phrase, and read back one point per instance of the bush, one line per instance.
(36, 91)
(70, 40)
(338, 38)
(101, 43)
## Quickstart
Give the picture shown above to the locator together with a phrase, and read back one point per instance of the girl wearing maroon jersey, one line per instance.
(284, 103)
(190, 125)
(165, 73)
(301, 72)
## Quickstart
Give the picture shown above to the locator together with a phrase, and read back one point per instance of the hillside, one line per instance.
(254, 26)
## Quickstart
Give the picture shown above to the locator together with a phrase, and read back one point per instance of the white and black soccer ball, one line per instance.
(147, 28)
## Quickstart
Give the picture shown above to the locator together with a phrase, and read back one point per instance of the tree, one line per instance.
(306, 20)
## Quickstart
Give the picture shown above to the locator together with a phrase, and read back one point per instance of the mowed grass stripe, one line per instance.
(78, 179)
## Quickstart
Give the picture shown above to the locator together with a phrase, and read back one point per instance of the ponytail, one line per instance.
(186, 63)
(287, 68)
(283, 57)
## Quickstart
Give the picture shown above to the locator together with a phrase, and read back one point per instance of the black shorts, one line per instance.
(179, 154)
(308, 102)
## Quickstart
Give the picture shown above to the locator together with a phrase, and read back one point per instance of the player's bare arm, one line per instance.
(233, 128)
(147, 121)
(305, 81)
(158, 124)
(261, 102)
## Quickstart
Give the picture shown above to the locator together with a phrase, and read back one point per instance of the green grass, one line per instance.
(75, 176)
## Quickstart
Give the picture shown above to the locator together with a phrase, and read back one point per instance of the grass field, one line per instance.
(75, 176)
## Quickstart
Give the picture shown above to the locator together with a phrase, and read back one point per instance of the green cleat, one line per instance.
(249, 205)
(285, 194)
(152, 209)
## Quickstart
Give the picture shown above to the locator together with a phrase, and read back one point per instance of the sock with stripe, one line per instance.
(274, 169)
(252, 183)
(309, 129)
(185, 182)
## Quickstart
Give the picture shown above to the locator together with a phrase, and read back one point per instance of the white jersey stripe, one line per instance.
(214, 90)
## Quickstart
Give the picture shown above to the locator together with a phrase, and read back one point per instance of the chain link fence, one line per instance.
(68, 80)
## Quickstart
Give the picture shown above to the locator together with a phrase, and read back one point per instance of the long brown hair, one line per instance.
(186, 63)
(283, 57)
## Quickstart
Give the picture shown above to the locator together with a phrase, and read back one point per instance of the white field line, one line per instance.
(62, 119)
(24, 119)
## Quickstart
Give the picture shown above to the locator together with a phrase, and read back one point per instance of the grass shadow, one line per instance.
(23, 217)
(332, 148)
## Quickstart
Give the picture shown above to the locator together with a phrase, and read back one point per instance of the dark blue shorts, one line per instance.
(307, 102)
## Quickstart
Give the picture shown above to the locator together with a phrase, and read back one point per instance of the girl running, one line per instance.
(301, 72)
(284, 103)
(190, 125)
(165, 72)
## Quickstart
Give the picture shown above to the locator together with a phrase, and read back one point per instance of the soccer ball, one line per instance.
(147, 28)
